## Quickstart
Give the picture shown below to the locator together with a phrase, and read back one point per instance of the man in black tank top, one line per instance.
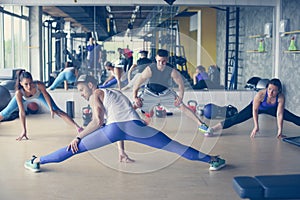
(158, 89)
(136, 69)
(143, 61)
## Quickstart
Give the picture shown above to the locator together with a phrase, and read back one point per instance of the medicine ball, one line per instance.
(32, 107)
(212, 111)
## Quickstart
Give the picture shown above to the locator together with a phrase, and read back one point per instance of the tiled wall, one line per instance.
(253, 20)
(289, 70)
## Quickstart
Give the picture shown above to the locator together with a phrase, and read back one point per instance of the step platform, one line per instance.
(292, 140)
(268, 186)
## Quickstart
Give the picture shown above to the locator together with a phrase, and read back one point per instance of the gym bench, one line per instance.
(268, 187)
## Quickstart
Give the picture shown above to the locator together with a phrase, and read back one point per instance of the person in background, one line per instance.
(129, 57)
(93, 55)
(115, 76)
(139, 67)
(68, 75)
(200, 77)
(126, 58)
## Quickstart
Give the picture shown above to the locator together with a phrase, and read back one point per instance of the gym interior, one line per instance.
(240, 44)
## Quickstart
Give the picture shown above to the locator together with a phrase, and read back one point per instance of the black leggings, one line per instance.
(246, 114)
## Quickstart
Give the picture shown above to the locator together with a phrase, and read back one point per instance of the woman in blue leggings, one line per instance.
(114, 78)
(122, 123)
(68, 75)
(268, 101)
(27, 89)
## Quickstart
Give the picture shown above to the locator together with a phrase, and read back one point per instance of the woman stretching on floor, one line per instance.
(122, 123)
(268, 101)
(114, 78)
(67, 75)
(27, 89)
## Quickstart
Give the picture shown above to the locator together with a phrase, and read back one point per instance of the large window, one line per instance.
(14, 29)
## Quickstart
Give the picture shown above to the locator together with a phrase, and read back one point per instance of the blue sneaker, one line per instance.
(34, 167)
(216, 163)
(205, 129)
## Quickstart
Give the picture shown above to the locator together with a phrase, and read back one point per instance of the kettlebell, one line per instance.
(86, 115)
(192, 104)
(199, 110)
(160, 112)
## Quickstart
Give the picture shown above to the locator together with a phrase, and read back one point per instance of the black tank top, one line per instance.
(142, 63)
(160, 80)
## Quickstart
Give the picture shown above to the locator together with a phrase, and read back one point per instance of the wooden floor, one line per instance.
(156, 175)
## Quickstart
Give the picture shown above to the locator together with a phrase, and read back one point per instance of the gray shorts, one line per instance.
(151, 99)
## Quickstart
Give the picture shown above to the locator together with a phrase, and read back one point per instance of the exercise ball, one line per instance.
(262, 84)
(32, 107)
(4, 97)
(8, 84)
(252, 82)
(212, 111)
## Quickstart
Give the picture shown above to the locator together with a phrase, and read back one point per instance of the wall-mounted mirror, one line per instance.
(232, 38)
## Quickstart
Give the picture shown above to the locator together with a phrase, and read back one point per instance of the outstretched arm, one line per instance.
(118, 74)
(47, 97)
(256, 102)
(280, 110)
(130, 71)
(22, 116)
(140, 80)
(178, 80)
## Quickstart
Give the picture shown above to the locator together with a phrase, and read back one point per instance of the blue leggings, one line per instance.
(68, 76)
(131, 130)
(246, 114)
(109, 83)
(13, 106)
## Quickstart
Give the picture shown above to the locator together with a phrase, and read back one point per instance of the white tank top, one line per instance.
(118, 107)
(34, 96)
(67, 69)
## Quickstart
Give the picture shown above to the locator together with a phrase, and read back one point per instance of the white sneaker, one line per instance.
(216, 164)
(209, 132)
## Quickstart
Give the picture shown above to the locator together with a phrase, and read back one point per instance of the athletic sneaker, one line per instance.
(29, 164)
(205, 129)
(216, 164)
(209, 132)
